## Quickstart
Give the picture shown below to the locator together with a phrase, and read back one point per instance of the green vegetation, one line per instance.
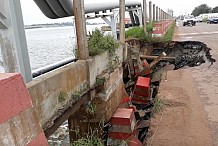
(157, 105)
(100, 81)
(203, 8)
(215, 9)
(149, 27)
(135, 32)
(138, 32)
(62, 96)
(90, 139)
(98, 42)
(169, 34)
(76, 95)
(90, 108)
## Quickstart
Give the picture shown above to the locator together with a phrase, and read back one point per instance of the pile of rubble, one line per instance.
(143, 72)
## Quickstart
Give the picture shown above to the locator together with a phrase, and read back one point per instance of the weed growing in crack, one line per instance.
(98, 43)
(62, 96)
(158, 105)
(92, 138)
(100, 81)
(90, 108)
(76, 95)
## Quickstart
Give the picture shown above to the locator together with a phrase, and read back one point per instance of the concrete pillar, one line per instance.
(13, 39)
(156, 13)
(81, 33)
(122, 21)
(159, 14)
(145, 15)
(122, 28)
(162, 15)
(150, 11)
(153, 12)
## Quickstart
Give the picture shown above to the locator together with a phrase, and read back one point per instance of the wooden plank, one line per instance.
(71, 108)
(147, 57)
(81, 34)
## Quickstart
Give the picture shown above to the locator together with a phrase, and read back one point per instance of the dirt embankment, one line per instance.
(187, 94)
(182, 122)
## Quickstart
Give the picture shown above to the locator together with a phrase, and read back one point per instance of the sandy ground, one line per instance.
(190, 114)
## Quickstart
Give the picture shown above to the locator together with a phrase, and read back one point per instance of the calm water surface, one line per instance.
(49, 45)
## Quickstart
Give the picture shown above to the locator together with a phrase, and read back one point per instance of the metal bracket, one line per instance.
(139, 15)
(2, 24)
(112, 22)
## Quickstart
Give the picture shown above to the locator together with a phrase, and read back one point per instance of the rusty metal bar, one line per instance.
(81, 33)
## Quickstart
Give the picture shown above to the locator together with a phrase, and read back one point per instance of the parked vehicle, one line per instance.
(212, 20)
(199, 19)
(189, 22)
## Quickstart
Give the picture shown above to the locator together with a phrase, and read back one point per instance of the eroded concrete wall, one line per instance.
(109, 98)
(77, 77)
(47, 89)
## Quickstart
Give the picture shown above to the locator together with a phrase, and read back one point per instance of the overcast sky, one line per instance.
(32, 14)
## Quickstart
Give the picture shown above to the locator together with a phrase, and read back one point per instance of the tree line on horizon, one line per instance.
(204, 8)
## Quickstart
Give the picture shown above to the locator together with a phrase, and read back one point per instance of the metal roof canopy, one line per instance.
(63, 8)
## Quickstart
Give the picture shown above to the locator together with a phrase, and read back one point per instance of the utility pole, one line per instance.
(145, 15)
(81, 33)
(150, 11)
(13, 39)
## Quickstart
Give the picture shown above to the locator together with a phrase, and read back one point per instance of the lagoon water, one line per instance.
(49, 45)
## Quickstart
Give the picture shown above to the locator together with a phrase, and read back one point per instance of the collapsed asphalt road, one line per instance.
(186, 53)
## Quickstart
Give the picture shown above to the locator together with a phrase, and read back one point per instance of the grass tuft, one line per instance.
(98, 42)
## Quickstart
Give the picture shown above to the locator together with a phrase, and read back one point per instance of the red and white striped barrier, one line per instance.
(161, 28)
(141, 92)
(123, 125)
(19, 124)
